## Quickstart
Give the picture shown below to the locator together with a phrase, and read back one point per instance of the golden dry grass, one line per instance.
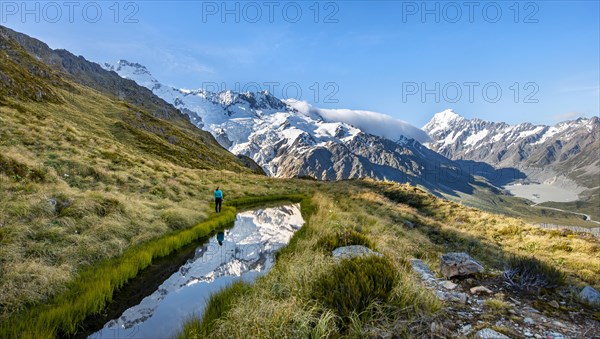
(74, 193)
(280, 304)
(79, 188)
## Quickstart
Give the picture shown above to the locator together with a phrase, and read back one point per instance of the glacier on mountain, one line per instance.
(273, 132)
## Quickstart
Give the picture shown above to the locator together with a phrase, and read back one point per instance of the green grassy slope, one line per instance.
(94, 287)
(84, 176)
(77, 69)
(88, 180)
(307, 292)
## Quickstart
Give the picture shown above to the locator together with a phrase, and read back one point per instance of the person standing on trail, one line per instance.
(218, 200)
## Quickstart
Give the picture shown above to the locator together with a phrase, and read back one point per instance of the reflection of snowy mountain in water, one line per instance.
(247, 251)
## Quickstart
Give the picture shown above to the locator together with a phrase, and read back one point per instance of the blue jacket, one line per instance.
(218, 194)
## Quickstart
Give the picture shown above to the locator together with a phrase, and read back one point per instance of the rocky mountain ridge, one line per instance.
(293, 139)
(32, 71)
(566, 153)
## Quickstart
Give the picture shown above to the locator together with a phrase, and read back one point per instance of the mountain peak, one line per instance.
(133, 71)
(139, 68)
(446, 115)
(124, 62)
(442, 120)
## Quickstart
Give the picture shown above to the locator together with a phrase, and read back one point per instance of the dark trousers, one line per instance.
(218, 202)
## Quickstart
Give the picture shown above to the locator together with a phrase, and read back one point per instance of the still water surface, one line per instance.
(243, 252)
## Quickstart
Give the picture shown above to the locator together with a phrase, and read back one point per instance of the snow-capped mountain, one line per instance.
(567, 150)
(290, 138)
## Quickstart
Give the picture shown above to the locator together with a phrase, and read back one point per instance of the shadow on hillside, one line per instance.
(451, 240)
(463, 176)
(496, 176)
(437, 179)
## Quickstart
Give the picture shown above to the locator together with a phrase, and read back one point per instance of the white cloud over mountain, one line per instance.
(378, 124)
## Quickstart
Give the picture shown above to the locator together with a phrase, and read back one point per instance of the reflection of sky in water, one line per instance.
(247, 250)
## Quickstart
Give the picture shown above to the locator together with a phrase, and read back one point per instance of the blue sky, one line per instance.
(378, 55)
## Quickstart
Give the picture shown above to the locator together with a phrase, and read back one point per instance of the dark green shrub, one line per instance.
(530, 273)
(38, 174)
(353, 284)
(342, 238)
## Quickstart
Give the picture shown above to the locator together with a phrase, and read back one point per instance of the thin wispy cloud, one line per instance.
(183, 62)
(245, 52)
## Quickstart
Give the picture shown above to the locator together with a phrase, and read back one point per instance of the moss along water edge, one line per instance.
(95, 286)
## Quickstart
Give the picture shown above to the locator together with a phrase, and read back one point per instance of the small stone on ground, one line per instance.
(348, 252)
(590, 296)
(458, 265)
(420, 267)
(449, 285)
(480, 290)
(488, 333)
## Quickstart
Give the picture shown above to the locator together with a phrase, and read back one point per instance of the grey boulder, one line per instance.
(459, 265)
(590, 296)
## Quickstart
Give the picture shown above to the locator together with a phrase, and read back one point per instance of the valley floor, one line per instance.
(539, 193)
(580, 213)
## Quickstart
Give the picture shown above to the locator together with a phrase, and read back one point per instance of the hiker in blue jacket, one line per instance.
(218, 200)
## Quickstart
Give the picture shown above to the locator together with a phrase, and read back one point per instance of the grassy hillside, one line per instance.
(84, 180)
(84, 176)
(93, 188)
(78, 189)
(306, 294)
(77, 69)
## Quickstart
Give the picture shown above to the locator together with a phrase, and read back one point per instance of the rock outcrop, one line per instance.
(469, 311)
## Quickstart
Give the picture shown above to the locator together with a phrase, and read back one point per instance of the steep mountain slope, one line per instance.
(89, 74)
(290, 139)
(32, 69)
(565, 154)
(84, 175)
